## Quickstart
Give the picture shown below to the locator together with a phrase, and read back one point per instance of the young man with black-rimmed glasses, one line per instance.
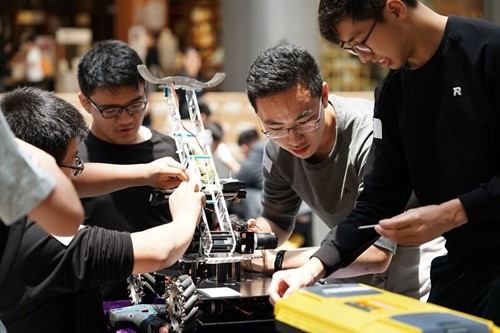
(114, 93)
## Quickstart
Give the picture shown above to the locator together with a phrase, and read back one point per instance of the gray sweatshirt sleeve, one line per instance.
(24, 184)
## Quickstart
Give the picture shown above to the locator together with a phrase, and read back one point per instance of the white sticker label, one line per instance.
(268, 163)
(219, 292)
(377, 128)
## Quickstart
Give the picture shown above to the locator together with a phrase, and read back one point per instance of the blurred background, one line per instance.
(41, 42)
(227, 33)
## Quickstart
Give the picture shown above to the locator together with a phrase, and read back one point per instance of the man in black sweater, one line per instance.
(436, 124)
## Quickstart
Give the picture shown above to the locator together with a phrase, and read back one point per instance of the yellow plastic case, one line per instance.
(359, 308)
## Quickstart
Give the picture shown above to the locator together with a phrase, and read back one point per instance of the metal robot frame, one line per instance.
(218, 242)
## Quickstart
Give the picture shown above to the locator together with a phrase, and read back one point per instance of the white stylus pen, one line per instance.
(367, 226)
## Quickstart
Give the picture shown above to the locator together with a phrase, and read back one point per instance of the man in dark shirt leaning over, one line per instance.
(54, 283)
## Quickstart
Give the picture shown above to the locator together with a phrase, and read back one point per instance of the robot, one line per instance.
(220, 243)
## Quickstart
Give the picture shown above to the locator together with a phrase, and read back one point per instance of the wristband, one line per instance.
(278, 261)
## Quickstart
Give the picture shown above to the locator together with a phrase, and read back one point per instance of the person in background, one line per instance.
(444, 75)
(191, 67)
(152, 61)
(34, 63)
(252, 148)
(225, 163)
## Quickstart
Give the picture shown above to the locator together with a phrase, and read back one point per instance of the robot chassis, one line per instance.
(221, 242)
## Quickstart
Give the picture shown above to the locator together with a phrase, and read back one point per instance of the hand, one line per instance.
(186, 202)
(252, 225)
(287, 281)
(165, 173)
(420, 225)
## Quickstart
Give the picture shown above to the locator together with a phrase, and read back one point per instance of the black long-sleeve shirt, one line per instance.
(51, 287)
(440, 136)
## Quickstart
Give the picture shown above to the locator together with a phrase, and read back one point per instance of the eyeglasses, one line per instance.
(360, 47)
(115, 111)
(305, 127)
(77, 166)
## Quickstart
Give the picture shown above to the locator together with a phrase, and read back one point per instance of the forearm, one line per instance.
(455, 213)
(287, 281)
(373, 260)
(61, 213)
(296, 257)
(265, 225)
(162, 246)
(315, 269)
(100, 178)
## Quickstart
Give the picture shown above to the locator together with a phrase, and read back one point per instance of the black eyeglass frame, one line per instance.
(78, 166)
(120, 108)
(361, 47)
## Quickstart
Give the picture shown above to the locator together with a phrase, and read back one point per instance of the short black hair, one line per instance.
(42, 119)
(331, 12)
(109, 65)
(184, 112)
(281, 68)
(204, 108)
(248, 136)
(217, 130)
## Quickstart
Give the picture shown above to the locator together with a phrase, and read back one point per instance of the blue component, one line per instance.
(442, 323)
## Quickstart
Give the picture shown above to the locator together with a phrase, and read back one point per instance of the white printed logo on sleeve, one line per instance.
(377, 128)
